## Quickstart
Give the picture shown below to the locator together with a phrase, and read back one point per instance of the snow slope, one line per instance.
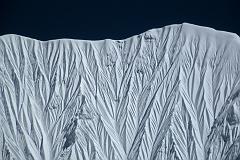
(171, 93)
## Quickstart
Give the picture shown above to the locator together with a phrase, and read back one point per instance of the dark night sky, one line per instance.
(93, 20)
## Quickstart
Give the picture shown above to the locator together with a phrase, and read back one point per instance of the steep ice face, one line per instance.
(168, 93)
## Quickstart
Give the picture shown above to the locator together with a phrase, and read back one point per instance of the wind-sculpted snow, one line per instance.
(171, 93)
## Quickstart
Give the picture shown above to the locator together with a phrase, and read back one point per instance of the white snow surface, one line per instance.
(171, 93)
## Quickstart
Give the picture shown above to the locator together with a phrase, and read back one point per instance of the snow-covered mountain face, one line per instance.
(167, 94)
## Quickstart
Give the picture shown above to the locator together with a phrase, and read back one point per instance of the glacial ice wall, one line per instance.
(171, 93)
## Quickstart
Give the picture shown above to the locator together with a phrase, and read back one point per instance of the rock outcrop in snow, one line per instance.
(171, 93)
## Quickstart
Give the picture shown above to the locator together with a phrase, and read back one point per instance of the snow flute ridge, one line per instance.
(167, 94)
